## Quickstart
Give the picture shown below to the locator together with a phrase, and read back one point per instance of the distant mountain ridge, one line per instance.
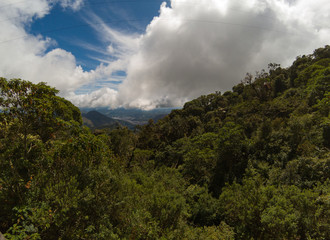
(95, 119)
(130, 116)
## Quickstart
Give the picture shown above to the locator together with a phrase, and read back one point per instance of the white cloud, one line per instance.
(74, 4)
(193, 49)
(25, 56)
(22, 12)
(104, 97)
(120, 45)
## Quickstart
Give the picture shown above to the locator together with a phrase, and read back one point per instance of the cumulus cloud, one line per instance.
(104, 97)
(26, 56)
(198, 47)
(193, 49)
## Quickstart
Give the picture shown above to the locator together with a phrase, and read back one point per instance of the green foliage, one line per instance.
(261, 211)
(199, 159)
(35, 108)
(253, 163)
(31, 117)
(232, 156)
(223, 231)
(204, 207)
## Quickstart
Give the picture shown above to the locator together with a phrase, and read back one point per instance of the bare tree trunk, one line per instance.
(2, 237)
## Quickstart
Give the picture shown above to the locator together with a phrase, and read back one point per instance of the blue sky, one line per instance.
(152, 53)
(71, 31)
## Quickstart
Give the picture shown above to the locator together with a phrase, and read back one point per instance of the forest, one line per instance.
(251, 163)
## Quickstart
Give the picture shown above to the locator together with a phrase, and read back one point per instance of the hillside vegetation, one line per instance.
(251, 163)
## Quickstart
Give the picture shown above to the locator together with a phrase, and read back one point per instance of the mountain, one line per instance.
(95, 119)
(133, 115)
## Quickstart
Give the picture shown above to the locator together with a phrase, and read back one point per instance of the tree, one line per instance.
(31, 115)
(232, 156)
(35, 109)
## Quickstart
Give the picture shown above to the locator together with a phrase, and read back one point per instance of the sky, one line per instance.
(152, 53)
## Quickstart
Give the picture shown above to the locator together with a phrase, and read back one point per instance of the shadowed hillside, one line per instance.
(96, 120)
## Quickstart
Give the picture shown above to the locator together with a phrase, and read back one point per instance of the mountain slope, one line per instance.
(252, 163)
(95, 119)
(133, 116)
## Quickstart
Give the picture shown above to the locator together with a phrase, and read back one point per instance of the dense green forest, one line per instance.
(251, 163)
